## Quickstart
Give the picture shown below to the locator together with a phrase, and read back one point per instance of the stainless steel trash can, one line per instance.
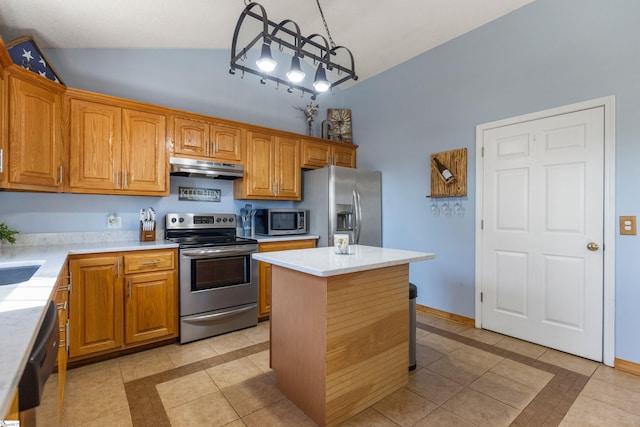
(413, 294)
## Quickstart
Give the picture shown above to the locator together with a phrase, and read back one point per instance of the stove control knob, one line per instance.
(218, 219)
(173, 220)
(181, 220)
(230, 219)
(224, 219)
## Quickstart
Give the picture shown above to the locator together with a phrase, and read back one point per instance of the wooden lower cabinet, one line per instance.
(120, 300)
(62, 301)
(150, 309)
(264, 270)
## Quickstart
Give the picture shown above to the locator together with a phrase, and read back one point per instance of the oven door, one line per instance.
(214, 278)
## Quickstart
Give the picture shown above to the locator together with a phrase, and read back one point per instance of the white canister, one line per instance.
(341, 243)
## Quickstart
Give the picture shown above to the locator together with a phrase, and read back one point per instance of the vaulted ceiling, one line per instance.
(379, 33)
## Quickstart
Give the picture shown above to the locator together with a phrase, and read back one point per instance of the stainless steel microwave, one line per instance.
(279, 222)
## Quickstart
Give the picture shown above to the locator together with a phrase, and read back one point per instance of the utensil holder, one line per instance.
(147, 235)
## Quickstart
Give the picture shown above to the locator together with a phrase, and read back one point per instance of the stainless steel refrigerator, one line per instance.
(343, 200)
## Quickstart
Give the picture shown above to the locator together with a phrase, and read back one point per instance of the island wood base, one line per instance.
(340, 343)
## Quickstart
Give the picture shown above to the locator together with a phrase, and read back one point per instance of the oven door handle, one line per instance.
(216, 253)
(217, 316)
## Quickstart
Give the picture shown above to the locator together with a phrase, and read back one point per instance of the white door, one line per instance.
(542, 236)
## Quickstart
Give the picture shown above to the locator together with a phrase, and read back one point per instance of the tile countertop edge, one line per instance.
(22, 306)
(324, 262)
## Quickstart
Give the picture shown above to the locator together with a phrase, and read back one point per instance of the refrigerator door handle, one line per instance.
(357, 211)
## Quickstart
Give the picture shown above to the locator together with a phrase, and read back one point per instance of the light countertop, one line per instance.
(325, 262)
(22, 305)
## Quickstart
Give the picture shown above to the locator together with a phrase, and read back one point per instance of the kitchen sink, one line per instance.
(14, 272)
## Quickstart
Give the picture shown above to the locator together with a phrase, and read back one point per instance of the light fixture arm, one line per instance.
(314, 47)
(265, 30)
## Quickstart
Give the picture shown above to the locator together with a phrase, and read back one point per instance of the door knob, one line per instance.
(592, 246)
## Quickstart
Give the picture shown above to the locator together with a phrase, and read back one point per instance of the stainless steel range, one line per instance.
(218, 277)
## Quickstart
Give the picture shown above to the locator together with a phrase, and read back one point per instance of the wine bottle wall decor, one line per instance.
(449, 173)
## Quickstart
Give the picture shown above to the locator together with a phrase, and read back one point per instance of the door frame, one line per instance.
(608, 102)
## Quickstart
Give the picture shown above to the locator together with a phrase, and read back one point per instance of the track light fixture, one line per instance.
(286, 36)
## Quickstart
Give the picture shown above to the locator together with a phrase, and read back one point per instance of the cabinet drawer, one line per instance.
(147, 261)
(286, 245)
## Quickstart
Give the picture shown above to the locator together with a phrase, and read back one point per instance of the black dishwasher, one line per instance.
(41, 361)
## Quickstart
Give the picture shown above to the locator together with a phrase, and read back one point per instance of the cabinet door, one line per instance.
(3, 125)
(315, 155)
(259, 177)
(264, 289)
(144, 152)
(264, 270)
(35, 137)
(191, 137)
(344, 156)
(62, 301)
(95, 146)
(151, 306)
(226, 143)
(96, 313)
(287, 168)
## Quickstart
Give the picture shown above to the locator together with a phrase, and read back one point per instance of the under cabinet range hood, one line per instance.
(204, 168)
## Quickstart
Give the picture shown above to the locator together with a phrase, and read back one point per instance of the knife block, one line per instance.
(147, 235)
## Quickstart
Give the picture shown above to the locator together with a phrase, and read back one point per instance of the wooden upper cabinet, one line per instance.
(287, 168)
(272, 168)
(344, 156)
(318, 154)
(116, 150)
(144, 154)
(226, 143)
(35, 150)
(95, 145)
(190, 137)
(207, 140)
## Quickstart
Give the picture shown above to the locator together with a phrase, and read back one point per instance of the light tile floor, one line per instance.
(465, 377)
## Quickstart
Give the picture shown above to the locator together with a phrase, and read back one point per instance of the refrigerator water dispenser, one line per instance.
(344, 218)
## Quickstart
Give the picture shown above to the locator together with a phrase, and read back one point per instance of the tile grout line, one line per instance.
(146, 407)
(559, 393)
(153, 410)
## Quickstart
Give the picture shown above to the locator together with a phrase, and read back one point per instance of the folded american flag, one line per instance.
(25, 53)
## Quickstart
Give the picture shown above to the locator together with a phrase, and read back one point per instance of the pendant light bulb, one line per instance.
(320, 83)
(295, 73)
(266, 62)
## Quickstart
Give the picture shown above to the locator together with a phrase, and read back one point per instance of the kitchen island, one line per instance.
(339, 327)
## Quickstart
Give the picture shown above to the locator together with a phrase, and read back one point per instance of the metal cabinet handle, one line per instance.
(62, 305)
(117, 178)
(129, 288)
(154, 262)
(66, 335)
(60, 172)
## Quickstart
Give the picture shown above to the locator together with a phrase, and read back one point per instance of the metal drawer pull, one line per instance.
(62, 305)
(154, 262)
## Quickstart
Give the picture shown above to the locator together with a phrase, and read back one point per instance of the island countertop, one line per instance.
(324, 262)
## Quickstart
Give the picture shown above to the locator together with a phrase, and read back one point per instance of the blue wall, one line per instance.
(547, 54)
